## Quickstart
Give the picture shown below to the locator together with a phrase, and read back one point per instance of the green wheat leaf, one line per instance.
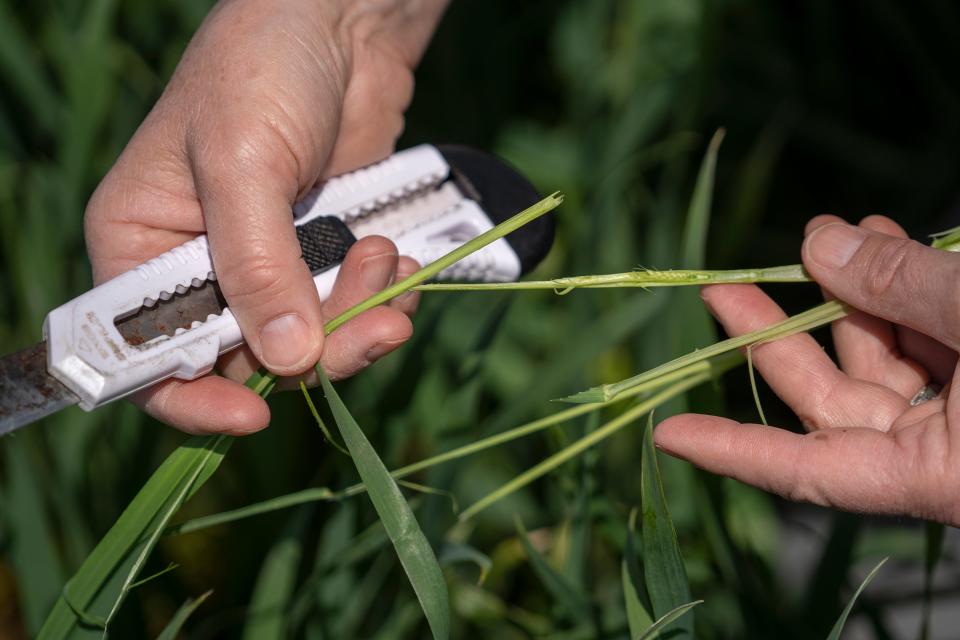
(664, 573)
(560, 587)
(414, 551)
(454, 552)
(172, 630)
(635, 595)
(842, 620)
(104, 579)
(268, 613)
(666, 619)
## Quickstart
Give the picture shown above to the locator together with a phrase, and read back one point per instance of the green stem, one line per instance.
(647, 278)
(712, 367)
(532, 213)
(806, 321)
(268, 380)
(594, 437)
(274, 504)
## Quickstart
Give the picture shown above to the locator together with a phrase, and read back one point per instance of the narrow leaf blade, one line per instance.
(411, 544)
(180, 617)
(842, 620)
(561, 589)
(664, 573)
(634, 592)
(666, 619)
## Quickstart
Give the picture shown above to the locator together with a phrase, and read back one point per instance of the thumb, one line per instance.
(894, 278)
(247, 191)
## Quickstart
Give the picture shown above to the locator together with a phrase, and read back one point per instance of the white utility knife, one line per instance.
(168, 319)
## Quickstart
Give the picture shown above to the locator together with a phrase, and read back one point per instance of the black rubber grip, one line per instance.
(502, 192)
(324, 242)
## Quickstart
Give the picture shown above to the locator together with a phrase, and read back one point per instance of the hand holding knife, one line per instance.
(167, 317)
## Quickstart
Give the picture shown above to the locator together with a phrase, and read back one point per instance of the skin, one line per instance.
(866, 449)
(270, 98)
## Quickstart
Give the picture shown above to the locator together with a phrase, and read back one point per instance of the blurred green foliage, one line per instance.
(847, 107)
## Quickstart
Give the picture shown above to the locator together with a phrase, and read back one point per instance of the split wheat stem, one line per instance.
(643, 278)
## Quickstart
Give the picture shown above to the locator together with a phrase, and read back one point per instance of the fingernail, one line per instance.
(284, 341)
(381, 349)
(834, 244)
(377, 271)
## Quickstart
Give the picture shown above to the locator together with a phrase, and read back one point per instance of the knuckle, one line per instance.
(246, 149)
(808, 483)
(256, 281)
(884, 265)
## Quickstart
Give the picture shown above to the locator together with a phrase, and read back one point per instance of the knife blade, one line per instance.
(27, 392)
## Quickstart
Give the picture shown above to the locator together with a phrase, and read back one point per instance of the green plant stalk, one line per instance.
(644, 278)
(527, 215)
(806, 321)
(649, 278)
(316, 494)
(265, 379)
(594, 437)
(948, 240)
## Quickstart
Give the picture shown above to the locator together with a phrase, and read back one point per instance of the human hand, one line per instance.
(867, 449)
(269, 98)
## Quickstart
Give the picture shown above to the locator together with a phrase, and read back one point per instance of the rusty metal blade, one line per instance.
(27, 391)
(179, 312)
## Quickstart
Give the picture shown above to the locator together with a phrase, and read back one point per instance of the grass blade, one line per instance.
(104, 578)
(666, 619)
(319, 420)
(664, 573)
(842, 620)
(314, 494)
(698, 215)
(634, 592)
(268, 613)
(171, 631)
(414, 551)
(100, 584)
(806, 321)
(565, 593)
(32, 545)
(453, 553)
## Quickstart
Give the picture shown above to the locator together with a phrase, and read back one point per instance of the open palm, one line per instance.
(867, 448)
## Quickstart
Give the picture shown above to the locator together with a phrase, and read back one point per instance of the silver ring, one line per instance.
(927, 392)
